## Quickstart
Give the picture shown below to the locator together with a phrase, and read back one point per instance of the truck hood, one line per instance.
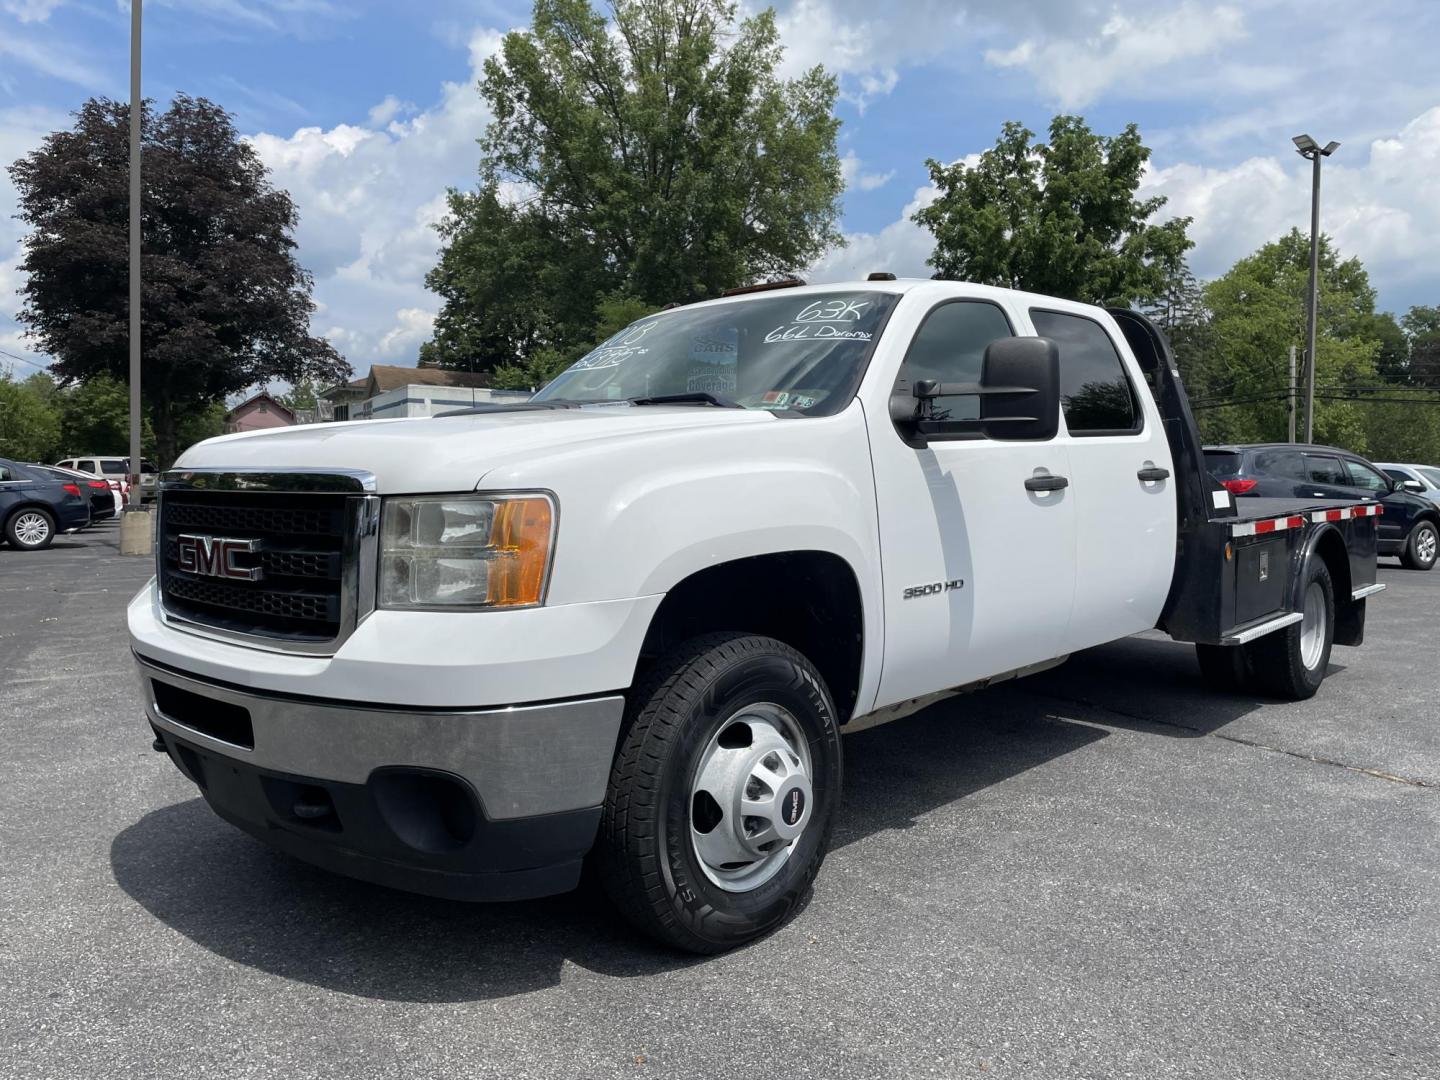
(450, 453)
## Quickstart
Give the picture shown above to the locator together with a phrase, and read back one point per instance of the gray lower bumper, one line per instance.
(522, 761)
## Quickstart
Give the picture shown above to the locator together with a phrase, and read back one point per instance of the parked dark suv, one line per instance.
(1409, 527)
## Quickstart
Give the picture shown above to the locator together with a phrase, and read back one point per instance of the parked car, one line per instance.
(1417, 479)
(1409, 526)
(105, 501)
(114, 469)
(35, 506)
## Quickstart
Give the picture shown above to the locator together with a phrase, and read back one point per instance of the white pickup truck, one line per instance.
(630, 619)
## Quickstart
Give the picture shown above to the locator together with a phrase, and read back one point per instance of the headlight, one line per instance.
(465, 551)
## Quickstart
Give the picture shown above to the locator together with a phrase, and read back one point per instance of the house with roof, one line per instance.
(258, 412)
(393, 391)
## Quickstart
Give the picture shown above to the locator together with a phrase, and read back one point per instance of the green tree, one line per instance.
(654, 154)
(225, 303)
(1422, 327)
(302, 395)
(95, 418)
(29, 423)
(1059, 218)
(612, 315)
(1258, 312)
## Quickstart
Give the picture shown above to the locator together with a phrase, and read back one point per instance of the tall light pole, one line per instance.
(1309, 148)
(136, 537)
(136, 116)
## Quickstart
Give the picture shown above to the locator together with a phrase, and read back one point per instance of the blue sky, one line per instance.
(366, 111)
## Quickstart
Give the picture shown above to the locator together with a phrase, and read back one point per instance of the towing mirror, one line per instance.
(1019, 392)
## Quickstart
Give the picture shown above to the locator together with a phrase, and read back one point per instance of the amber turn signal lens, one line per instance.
(521, 538)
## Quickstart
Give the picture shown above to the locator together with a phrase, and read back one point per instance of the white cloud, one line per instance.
(369, 197)
(390, 109)
(1128, 49)
(900, 247)
(1383, 207)
(28, 11)
(45, 58)
(852, 172)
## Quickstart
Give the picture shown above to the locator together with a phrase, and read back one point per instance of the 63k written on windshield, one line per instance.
(782, 353)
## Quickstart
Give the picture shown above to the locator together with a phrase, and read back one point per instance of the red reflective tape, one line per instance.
(1264, 526)
(1334, 515)
(1295, 522)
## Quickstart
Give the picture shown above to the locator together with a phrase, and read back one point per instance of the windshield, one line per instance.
(782, 353)
(1433, 475)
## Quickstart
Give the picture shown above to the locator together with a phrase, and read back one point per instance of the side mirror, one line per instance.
(1019, 392)
(1414, 486)
(1021, 381)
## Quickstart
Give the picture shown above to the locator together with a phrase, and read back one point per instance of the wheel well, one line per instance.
(808, 599)
(5, 519)
(1332, 551)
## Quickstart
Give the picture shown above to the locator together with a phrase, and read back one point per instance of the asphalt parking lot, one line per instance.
(1103, 871)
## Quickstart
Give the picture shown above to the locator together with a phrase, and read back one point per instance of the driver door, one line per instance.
(978, 570)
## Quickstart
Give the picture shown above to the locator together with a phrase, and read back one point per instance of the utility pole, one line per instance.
(1310, 149)
(136, 534)
(1290, 403)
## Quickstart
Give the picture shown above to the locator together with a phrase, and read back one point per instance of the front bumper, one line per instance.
(467, 804)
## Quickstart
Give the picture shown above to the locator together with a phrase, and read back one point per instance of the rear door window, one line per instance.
(1280, 463)
(1323, 469)
(1094, 388)
(85, 465)
(113, 466)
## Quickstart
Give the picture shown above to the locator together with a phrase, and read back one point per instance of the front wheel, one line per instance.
(30, 529)
(723, 794)
(1421, 547)
(1291, 663)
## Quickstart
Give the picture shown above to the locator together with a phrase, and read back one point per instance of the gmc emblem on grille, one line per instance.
(214, 556)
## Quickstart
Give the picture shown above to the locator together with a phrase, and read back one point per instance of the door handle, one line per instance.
(1046, 483)
(1154, 472)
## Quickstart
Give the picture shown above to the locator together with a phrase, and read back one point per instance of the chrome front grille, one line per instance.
(288, 557)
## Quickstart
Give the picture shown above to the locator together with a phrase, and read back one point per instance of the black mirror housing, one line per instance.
(1019, 392)
(1021, 380)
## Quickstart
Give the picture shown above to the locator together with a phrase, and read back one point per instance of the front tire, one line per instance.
(723, 795)
(1421, 547)
(1291, 663)
(30, 529)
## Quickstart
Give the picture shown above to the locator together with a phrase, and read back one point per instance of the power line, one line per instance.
(22, 359)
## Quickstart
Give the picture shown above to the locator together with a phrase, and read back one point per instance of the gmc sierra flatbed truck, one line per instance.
(630, 619)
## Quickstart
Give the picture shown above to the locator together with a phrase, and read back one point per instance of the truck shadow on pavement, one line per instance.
(253, 906)
(1144, 683)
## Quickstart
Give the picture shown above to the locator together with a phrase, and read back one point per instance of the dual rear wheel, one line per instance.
(1288, 663)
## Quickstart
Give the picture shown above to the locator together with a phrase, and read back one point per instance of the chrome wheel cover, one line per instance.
(1426, 544)
(31, 529)
(751, 797)
(1312, 627)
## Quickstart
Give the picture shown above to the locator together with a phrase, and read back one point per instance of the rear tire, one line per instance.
(30, 529)
(1421, 547)
(749, 719)
(1224, 667)
(1291, 663)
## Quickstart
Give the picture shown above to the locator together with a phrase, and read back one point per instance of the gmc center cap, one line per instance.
(792, 803)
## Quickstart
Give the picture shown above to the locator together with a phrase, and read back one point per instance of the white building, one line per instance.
(392, 391)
